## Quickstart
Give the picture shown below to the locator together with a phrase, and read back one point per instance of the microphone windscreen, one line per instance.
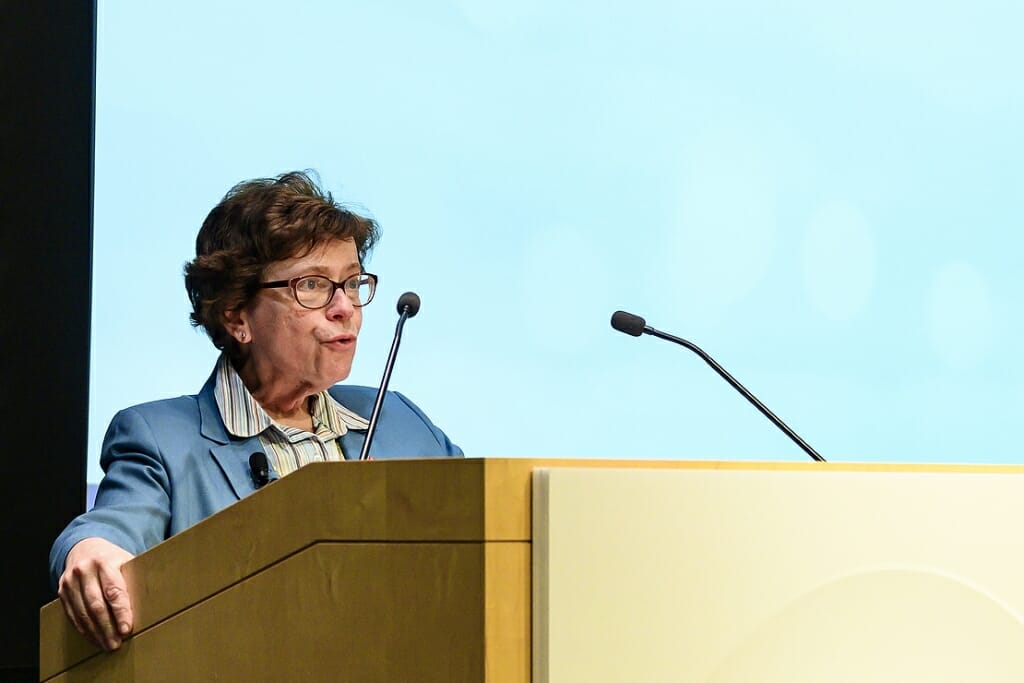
(409, 303)
(628, 323)
(260, 467)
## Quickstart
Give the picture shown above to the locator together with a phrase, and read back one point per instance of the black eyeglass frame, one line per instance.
(337, 285)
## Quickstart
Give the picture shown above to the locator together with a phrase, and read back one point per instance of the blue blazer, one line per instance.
(171, 463)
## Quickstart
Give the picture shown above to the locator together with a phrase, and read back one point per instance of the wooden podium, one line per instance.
(569, 570)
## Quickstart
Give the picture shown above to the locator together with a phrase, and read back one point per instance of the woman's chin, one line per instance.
(338, 376)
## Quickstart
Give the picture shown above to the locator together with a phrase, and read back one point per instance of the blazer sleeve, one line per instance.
(132, 507)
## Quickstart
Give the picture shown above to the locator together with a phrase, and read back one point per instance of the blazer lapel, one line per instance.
(232, 454)
(233, 459)
(352, 443)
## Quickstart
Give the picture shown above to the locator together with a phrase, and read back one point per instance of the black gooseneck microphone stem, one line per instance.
(738, 387)
(375, 415)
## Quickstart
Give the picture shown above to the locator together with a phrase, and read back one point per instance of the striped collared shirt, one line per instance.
(287, 448)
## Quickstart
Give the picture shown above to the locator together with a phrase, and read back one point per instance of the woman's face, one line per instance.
(292, 347)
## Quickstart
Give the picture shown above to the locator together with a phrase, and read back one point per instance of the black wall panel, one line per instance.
(47, 87)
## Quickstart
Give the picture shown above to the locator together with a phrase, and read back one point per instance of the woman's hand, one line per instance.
(94, 593)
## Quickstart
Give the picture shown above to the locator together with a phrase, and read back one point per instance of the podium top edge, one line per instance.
(487, 462)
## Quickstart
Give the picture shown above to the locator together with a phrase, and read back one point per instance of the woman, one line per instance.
(278, 284)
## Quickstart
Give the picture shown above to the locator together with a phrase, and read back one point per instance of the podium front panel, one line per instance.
(777, 575)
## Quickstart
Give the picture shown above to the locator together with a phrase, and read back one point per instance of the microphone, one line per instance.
(635, 325)
(260, 469)
(409, 303)
(628, 323)
(408, 306)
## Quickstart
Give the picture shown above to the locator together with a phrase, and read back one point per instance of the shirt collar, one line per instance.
(244, 417)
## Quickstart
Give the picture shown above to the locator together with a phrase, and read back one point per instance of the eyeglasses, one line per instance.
(316, 291)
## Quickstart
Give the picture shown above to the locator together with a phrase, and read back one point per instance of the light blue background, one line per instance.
(825, 196)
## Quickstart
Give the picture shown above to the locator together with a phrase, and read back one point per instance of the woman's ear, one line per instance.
(237, 325)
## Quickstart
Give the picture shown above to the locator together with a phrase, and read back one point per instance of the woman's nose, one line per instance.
(340, 306)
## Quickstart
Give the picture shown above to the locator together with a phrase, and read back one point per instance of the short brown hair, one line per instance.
(258, 223)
